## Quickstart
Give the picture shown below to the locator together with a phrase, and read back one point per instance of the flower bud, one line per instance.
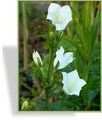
(25, 105)
(37, 59)
(51, 35)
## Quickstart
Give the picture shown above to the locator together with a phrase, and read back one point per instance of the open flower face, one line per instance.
(63, 58)
(37, 58)
(60, 16)
(72, 84)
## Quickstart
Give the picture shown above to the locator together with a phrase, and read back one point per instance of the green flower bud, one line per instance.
(24, 105)
(57, 91)
(51, 35)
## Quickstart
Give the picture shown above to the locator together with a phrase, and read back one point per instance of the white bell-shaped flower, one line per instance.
(64, 59)
(60, 16)
(37, 59)
(72, 84)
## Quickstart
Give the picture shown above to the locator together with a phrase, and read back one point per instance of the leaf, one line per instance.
(73, 101)
(90, 96)
(46, 62)
(59, 83)
(56, 106)
(94, 29)
(89, 91)
(65, 43)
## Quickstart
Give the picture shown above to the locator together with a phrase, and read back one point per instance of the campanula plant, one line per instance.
(72, 84)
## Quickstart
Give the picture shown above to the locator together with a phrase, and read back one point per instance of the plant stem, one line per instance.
(49, 70)
(24, 36)
(46, 98)
(48, 75)
(61, 104)
(51, 57)
(47, 81)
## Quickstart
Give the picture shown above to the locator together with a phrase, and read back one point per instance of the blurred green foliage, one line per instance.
(82, 36)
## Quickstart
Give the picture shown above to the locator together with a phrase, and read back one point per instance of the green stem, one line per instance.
(87, 71)
(51, 57)
(48, 75)
(24, 36)
(46, 98)
(47, 81)
(61, 104)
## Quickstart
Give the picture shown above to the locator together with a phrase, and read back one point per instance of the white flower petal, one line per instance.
(64, 81)
(68, 56)
(60, 16)
(59, 55)
(67, 16)
(37, 55)
(60, 52)
(72, 84)
(55, 61)
(72, 75)
(67, 59)
(53, 8)
(64, 59)
(65, 89)
(52, 11)
(60, 26)
(81, 83)
(77, 88)
(34, 58)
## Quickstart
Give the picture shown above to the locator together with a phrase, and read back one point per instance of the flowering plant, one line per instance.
(72, 84)
(63, 74)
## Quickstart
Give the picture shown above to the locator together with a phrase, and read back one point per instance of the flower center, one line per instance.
(71, 85)
(56, 17)
(59, 20)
